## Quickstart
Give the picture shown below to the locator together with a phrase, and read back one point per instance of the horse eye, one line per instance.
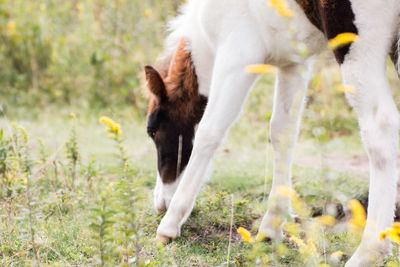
(151, 132)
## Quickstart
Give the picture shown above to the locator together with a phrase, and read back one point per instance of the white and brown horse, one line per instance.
(203, 71)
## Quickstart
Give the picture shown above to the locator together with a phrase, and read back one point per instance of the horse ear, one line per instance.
(155, 83)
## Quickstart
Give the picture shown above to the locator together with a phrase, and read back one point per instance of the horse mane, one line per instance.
(176, 67)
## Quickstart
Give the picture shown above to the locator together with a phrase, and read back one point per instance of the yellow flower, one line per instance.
(326, 220)
(396, 225)
(393, 233)
(245, 234)
(357, 222)
(260, 68)
(382, 236)
(342, 39)
(285, 191)
(72, 115)
(25, 181)
(113, 127)
(147, 13)
(346, 89)
(10, 28)
(107, 120)
(337, 255)
(281, 7)
(79, 6)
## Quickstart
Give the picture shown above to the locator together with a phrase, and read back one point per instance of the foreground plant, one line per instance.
(125, 198)
(101, 222)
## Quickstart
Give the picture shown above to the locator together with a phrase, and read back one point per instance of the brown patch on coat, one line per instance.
(331, 17)
(394, 54)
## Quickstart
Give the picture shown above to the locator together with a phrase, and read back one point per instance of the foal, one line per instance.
(203, 71)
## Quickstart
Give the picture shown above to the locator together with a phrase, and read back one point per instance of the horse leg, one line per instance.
(290, 87)
(364, 68)
(229, 87)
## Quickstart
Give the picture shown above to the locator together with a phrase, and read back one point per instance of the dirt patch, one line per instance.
(358, 165)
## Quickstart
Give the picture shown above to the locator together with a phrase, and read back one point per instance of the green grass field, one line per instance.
(71, 195)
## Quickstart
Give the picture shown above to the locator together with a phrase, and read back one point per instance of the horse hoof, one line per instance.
(162, 239)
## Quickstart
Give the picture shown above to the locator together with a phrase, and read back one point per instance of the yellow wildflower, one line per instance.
(260, 68)
(281, 7)
(285, 191)
(393, 233)
(382, 236)
(147, 13)
(342, 39)
(245, 234)
(107, 120)
(113, 127)
(11, 28)
(337, 255)
(72, 115)
(346, 89)
(79, 6)
(326, 220)
(396, 225)
(357, 222)
(25, 181)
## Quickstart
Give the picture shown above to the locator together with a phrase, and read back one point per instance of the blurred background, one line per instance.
(88, 52)
(66, 63)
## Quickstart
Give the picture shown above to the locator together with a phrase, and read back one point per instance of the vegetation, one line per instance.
(76, 186)
(60, 51)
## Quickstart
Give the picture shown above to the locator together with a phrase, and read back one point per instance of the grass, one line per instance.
(50, 220)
